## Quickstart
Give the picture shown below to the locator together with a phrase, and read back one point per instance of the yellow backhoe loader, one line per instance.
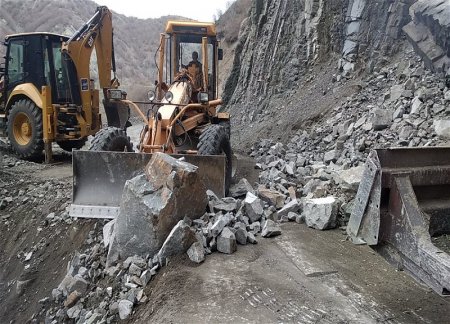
(181, 118)
(46, 91)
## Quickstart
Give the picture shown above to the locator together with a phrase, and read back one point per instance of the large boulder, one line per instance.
(153, 203)
(321, 213)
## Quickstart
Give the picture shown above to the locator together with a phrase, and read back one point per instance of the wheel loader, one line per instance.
(180, 118)
(46, 91)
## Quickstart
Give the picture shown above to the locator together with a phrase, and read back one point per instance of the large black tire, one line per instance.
(111, 139)
(25, 129)
(69, 145)
(215, 141)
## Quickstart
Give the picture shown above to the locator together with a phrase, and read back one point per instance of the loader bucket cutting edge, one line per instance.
(99, 178)
(402, 202)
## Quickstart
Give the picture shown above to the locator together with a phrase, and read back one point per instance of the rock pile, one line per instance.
(403, 104)
(92, 292)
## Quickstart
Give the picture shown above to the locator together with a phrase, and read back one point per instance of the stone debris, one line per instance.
(241, 188)
(270, 229)
(218, 229)
(178, 242)
(125, 308)
(321, 213)
(226, 242)
(399, 105)
(253, 207)
(272, 197)
(196, 252)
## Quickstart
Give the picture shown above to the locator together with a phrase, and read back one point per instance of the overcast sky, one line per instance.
(202, 10)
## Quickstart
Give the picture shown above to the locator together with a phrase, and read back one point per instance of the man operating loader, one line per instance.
(195, 70)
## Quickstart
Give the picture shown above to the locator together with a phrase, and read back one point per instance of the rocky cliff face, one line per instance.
(429, 32)
(290, 53)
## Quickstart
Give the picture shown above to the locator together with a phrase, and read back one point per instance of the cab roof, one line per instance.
(34, 33)
(191, 27)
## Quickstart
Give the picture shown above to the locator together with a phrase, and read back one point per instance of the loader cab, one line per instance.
(182, 40)
(36, 58)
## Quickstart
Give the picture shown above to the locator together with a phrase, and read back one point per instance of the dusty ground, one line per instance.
(302, 276)
(37, 190)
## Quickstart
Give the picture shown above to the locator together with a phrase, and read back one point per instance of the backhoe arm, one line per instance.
(98, 33)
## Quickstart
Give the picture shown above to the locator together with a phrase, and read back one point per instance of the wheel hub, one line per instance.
(22, 129)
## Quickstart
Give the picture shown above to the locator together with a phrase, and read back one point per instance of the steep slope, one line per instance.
(290, 53)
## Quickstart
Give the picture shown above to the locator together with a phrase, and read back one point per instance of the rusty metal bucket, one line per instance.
(402, 202)
(99, 178)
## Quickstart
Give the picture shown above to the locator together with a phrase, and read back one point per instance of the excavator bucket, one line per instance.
(99, 178)
(402, 210)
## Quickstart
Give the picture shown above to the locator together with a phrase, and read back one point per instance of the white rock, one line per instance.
(107, 232)
(321, 213)
(416, 106)
(442, 128)
(125, 309)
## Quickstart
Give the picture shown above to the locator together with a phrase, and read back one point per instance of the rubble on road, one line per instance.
(94, 288)
(400, 105)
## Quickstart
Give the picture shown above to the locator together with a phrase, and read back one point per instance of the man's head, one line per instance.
(195, 56)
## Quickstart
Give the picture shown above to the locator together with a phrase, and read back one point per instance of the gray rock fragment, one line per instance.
(349, 179)
(321, 213)
(134, 270)
(74, 312)
(253, 207)
(125, 308)
(108, 232)
(241, 234)
(292, 206)
(178, 242)
(251, 238)
(145, 277)
(382, 118)
(241, 188)
(270, 229)
(442, 128)
(226, 241)
(220, 224)
(196, 252)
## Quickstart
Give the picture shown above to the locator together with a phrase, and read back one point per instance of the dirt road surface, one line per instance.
(302, 276)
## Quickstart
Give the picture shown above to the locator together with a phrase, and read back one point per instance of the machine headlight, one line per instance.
(115, 94)
(168, 96)
(203, 97)
(151, 95)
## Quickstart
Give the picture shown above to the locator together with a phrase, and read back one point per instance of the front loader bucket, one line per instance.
(402, 202)
(99, 178)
